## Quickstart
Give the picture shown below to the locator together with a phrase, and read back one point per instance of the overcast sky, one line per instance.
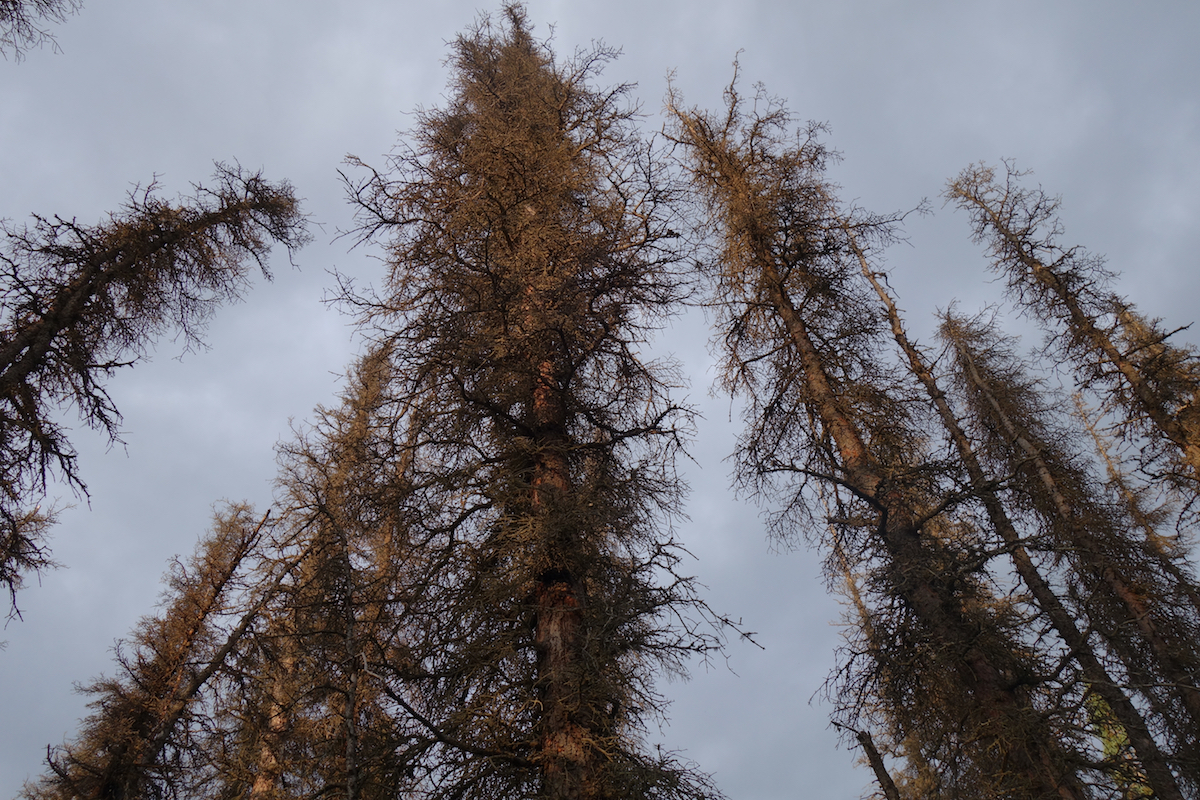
(1100, 98)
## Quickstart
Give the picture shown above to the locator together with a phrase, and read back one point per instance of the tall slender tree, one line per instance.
(147, 734)
(1148, 381)
(530, 245)
(1118, 586)
(324, 721)
(1096, 678)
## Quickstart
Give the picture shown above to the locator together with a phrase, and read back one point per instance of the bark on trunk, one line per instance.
(567, 759)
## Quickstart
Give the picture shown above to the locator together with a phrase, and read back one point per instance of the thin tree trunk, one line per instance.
(268, 775)
(882, 776)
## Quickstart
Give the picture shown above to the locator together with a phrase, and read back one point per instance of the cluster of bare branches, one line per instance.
(22, 23)
(78, 302)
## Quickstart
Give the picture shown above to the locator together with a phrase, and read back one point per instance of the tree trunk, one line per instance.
(268, 776)
(567, 756)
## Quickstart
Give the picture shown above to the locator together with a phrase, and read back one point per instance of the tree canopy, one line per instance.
(477, 577)
(470, 581)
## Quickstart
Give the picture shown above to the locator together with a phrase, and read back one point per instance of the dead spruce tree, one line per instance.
(947, 666)
(1151, 384)
(327, 720)
(149, 735)
(529, 249)
(78, 302)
